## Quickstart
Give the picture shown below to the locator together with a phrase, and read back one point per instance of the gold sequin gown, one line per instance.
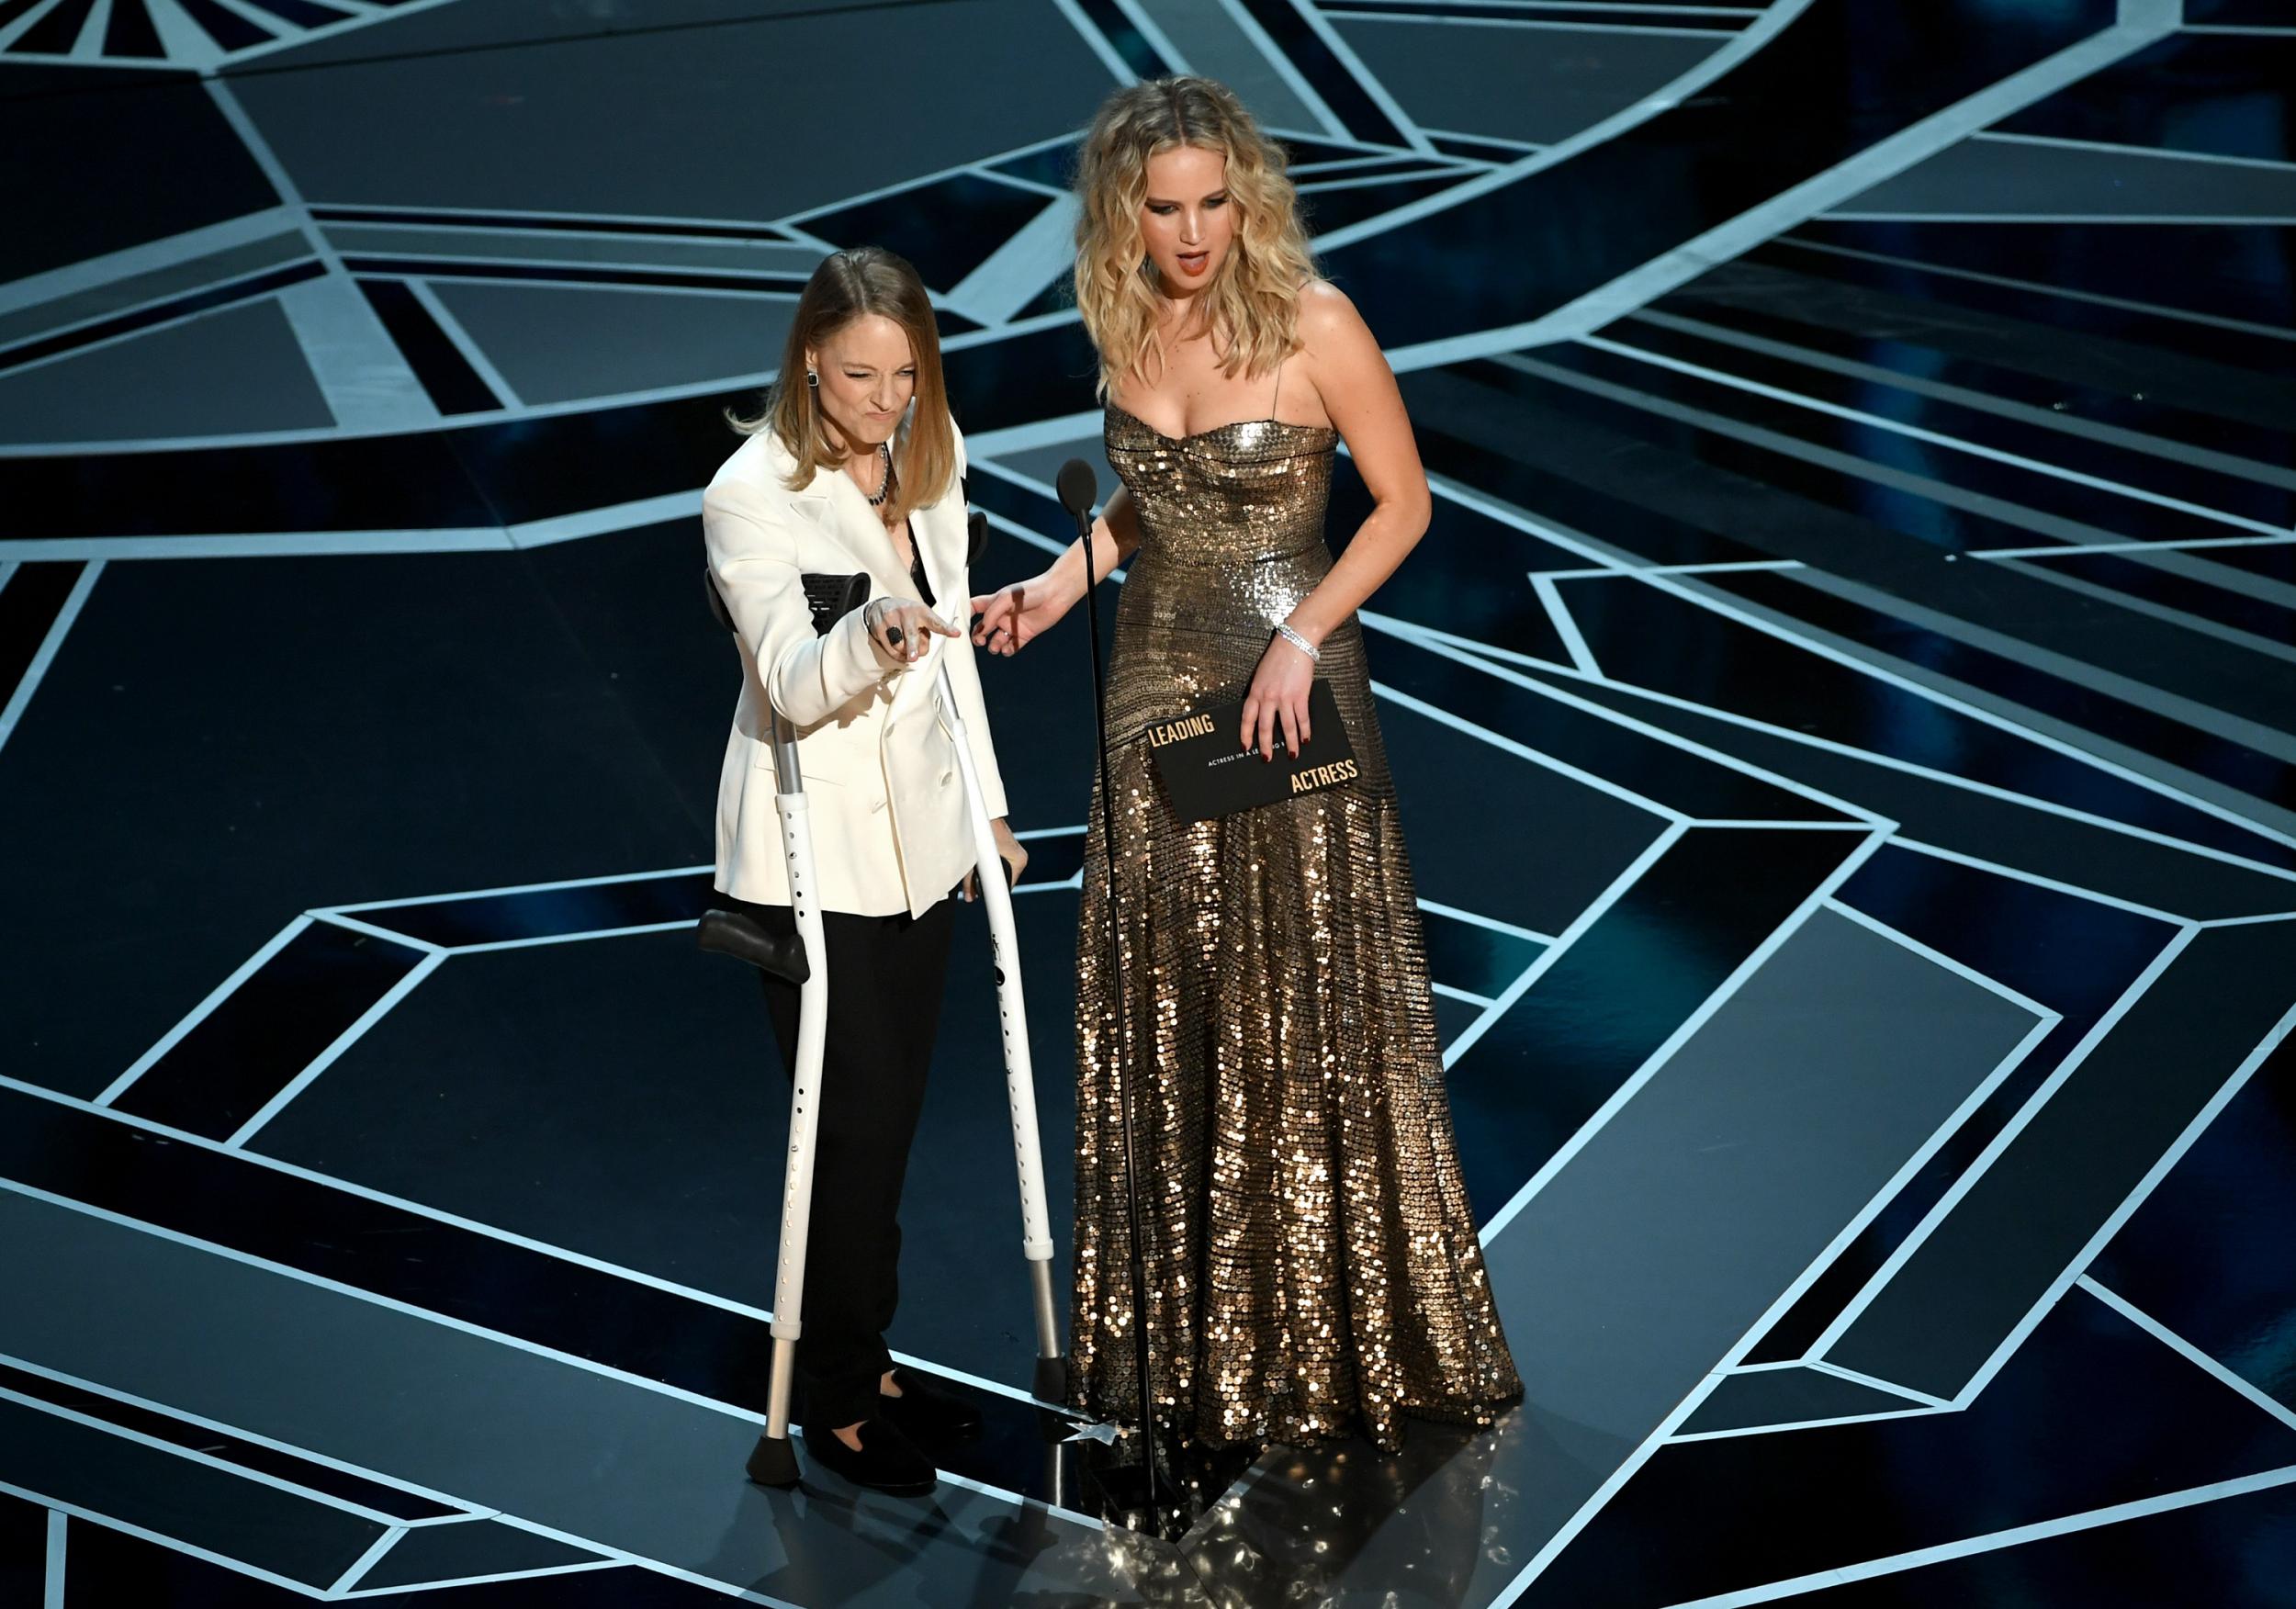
(1312, 1268)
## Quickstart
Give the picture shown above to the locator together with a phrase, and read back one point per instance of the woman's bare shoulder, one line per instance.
(1329, 323)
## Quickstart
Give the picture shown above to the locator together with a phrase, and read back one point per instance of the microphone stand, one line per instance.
(1078, 487)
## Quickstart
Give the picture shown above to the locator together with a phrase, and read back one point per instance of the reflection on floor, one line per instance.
(1844, 709)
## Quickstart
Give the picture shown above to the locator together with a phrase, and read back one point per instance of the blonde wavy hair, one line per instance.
(1253, 305)
(847, 285)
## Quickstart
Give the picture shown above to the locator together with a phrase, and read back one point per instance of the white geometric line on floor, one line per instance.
(1470, 644)
(2019, 1121)
(1522, 147)
(10, 33)
(2183, 620)
(2186, 1349)
(193, 1455)
(1723, 992)
(1073, 883)
(1706, 1386)
(2129, 1205)
(59, 1555)
(1916, 433)
(79, 1382)
(350, 1036)
(7, 567)
(1681, 1438)
(1150, 30)
(643, 510)
(1366, 79)
(512, 1575)
(1995, 1541)
(1436, 168)
(1611, 572)
(337, 920)
(1585, 919)
(505, 394)
(1854, 812)
(763, 290)
(1811, 357)
(366, 1561)
(1478, 919)
(2258, 220)
(1041, 832)
(1481, 1002)
(1601, 784)
(1893, 1387)
(1629, 29)
(31, 289)
(1033, 257)
(1912, 768)
(735, 389)
(2058, 886)
(174, 1036)
(1058, 431)
(1558, 613)
(2180, 545)
(425, 899)
(447, 1320)
(90, 1517)
(1689, 593)
(253, 545)
(463, 1519)
(2251, 921)
(51, 644)
(1110, 58)
(1998, 137)
(2123, 303)
(1751, 825)
(1773, 1363)
(1681, 88)
(1279, 61)
(492, 1232)
(1937, 958)
(1765, 221)
(1718, 998)
(682, 924)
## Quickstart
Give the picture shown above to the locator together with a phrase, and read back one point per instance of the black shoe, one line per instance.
(929, 1412)
(888, 1461)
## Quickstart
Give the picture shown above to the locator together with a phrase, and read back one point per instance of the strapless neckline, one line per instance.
(1215, 429)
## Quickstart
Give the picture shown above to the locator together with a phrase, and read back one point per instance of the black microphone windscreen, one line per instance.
(1078, 485)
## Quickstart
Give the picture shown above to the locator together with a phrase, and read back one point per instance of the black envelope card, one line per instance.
(1207, 774)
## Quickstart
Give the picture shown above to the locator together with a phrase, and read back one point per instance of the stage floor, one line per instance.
(1844, 711)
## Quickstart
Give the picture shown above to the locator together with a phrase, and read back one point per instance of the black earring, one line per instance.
(812, 379)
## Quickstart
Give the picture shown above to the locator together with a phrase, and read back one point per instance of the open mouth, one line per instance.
(1194, 262)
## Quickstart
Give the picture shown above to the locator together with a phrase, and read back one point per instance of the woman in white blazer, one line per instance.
(856, 466)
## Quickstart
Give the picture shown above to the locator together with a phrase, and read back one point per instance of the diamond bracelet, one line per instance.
(1298, 642)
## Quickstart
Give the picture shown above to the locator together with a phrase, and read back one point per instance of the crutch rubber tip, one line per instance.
(1050, 1384)
(773, 1462)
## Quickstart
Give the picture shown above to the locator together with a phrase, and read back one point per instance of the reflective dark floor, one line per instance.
(1844, 709)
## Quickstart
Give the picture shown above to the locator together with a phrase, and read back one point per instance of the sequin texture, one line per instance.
(1312, 1263)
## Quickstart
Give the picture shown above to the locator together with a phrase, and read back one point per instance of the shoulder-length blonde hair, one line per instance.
(847, 285)
(1254, 304)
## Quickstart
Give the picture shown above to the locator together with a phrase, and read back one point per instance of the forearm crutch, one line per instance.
(1051, 1383)
(773, 1462)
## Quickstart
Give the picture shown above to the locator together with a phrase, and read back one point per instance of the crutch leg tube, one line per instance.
(774, 1461)
(1051, 1382)
(805, 962)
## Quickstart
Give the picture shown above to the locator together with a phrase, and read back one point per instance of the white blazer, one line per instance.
(887, 802)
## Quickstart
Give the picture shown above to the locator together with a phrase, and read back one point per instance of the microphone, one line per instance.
(1078, 485)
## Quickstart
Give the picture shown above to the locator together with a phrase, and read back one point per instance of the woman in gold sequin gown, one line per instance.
(1312, 1263)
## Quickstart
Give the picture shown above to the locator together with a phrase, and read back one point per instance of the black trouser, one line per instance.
(886, 976)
